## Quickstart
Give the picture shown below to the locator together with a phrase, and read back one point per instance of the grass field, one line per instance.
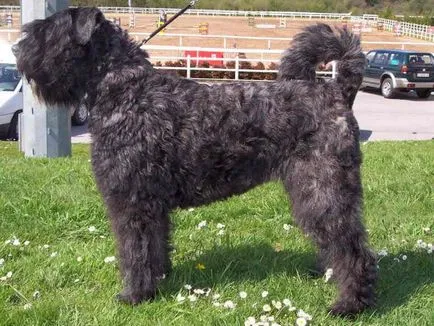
(56, 248)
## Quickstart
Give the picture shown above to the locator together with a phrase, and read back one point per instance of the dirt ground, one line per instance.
(233, 26)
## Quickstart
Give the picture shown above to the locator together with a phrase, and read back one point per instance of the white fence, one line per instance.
(268, 41)
(424, 32)
(225, 41)
(191, 62)
(211, 12)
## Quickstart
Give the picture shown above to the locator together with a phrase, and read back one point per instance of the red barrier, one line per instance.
(214, 56)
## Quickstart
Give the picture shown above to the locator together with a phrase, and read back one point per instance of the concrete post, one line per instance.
(46, 130)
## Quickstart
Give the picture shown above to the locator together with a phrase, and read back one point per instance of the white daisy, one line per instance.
(110, 259)
(277, 304)
(220, 226)
(304, 315)
(264, 294)
(180, 298)
(92, 229)
(301, 322)
(383, 252)
(192, 297)
(199, 291)
(229, 304)
(216, 296)
(243, 295)
(328, 274)
(202, 225)
(266, 308)
(188, 287)
(27, 306)
(250, 321)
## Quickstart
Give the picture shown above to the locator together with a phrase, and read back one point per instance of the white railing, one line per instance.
(413, 30)
(5, 9)
(424, 32)
(267, 40)
(191, 65)
(231, 55)
(223, 40)
(212, 12)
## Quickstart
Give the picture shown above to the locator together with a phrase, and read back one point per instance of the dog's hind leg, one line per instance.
(142, 232)
(326, 195)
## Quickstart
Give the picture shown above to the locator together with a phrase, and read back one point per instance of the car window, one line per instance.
(9, 77)
(420, 58)
(396, 59)
(381, 58)
(370, 56)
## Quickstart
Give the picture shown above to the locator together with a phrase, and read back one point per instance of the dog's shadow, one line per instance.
(239, 263)
(398, 281)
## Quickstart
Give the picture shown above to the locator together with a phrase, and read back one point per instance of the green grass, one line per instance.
(54, 202)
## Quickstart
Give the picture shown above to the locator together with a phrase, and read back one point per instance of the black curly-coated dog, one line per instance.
(161, 142)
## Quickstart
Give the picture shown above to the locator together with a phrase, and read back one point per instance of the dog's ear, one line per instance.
(86, 21)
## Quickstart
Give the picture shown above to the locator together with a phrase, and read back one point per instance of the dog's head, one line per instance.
(63, 54)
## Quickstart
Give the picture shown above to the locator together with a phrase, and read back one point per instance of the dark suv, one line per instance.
(399, 70)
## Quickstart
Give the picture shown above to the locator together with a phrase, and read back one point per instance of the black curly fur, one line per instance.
(161, 142)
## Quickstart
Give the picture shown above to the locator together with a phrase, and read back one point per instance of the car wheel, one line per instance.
(80, 115)
(423, 93)
(387, 88)
(13, 127)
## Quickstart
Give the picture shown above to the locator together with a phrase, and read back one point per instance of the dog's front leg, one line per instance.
(142, 231)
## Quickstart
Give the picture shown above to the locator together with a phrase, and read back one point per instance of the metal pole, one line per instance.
(190, 5)
(46, 131)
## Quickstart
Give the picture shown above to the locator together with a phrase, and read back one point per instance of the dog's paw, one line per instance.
(134, 298)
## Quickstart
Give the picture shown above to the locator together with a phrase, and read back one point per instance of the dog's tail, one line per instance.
(321, 44)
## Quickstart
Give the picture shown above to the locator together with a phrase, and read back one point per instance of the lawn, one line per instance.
(57, 265)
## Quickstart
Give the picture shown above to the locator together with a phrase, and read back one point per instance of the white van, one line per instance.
(11, 97)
